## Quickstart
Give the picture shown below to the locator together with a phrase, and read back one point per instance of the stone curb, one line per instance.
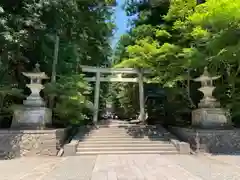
(181, 146)
(70, 149)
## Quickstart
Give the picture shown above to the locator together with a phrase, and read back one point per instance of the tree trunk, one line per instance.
(54, 67)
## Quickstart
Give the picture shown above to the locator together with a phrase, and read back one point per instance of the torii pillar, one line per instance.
(96, 97)
(141, 95)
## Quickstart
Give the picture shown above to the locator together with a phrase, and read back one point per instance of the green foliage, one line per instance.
(187, 37)
(220, 21)
(124, 96)
(72, 104)
(140, 47)
(6, 95)
(180, 9)
(28, 31)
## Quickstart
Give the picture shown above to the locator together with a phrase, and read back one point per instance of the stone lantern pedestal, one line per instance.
(31, 118)
(210, 118)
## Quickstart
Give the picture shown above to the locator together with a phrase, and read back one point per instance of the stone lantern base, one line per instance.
(31, 117)
(210, 118)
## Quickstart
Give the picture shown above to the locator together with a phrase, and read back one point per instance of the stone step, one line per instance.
(124, 142)
(122, 125)
(108, 135)
(128, 133)
(125, 139)
(126, 152)
(123, 136)
(160, 145)
(116, 125)
(111, 129)
(128, 129)
(132, 139)
(108, 132)
(82, 149)
(124, 131)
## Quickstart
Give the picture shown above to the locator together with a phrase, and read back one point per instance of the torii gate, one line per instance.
(97, 79)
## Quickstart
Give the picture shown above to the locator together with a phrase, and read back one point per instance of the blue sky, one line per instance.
(121, 21)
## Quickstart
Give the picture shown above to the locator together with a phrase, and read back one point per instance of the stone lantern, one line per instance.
(33, 113)
(209, 114)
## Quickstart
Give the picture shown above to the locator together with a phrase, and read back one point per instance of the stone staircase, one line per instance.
(126, 139)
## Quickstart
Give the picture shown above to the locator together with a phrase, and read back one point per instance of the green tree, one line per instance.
(190, 36)
(28, 31)
(216, 27)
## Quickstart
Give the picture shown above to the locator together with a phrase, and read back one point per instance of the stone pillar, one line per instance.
(141, 96)
(96, 97)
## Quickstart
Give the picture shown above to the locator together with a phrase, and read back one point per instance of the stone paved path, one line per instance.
(123, 167)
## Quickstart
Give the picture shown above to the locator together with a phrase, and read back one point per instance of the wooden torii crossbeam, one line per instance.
(97, 79)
